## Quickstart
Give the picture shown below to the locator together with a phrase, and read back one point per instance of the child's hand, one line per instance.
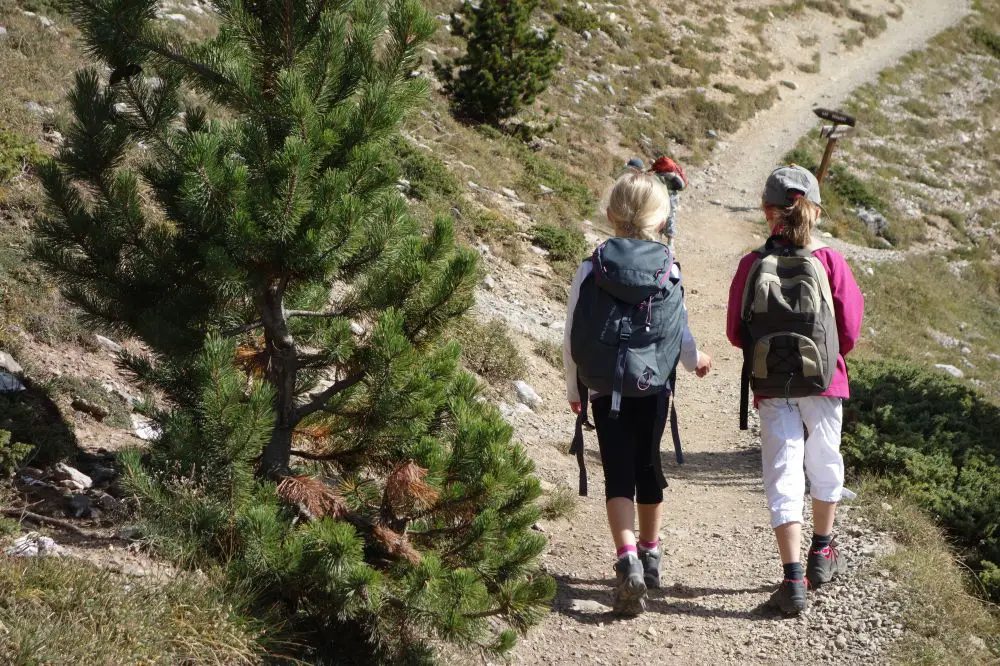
(704, 364)
(575, 406)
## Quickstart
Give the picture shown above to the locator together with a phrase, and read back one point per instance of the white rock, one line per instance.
(3, 32)
(950, 369)
(9, 383)
(45, 21)
(509, 193)
(72, 474)
(34, 107)
(120, 107)
(527, 395)
(715, 202)
(827, 234)
(35, 545)
(544, 189)
(489, 282)
(966, 351)
(357, 329)
(520, 409)
(180, 18)
(8, 363)
(869, 270)
(588, 606)
(144, 428)
(790, 84)
(993, 357)
(484, 249)
(108, 344)
(541, 252)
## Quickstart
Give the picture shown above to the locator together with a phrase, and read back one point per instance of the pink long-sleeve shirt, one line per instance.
(848, 303)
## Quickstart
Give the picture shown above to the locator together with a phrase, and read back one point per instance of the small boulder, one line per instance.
(80, 506)
(179, 18)
(791, 85)
(145, 429)
(509, 193)
(489, 282)
(545, 189)
(34, 545)
(527, 395)
(8, 363)
(88, 407)
(108, 344)
(64, 472)
(950, 369)
(874, 220)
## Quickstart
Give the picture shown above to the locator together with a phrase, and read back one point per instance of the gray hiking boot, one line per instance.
(650, 558)
(630, 590)
(790, 598)
(824, 565)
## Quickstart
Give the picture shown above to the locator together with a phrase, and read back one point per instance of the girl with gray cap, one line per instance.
(795, 310)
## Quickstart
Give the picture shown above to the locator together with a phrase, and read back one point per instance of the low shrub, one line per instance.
(563, 243)
(489, 351)
(932, 439)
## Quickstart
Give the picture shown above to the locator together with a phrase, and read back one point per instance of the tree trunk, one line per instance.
(282, 367)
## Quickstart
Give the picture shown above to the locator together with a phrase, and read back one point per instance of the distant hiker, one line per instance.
(672, 175)
(626, 330)
(795, 310)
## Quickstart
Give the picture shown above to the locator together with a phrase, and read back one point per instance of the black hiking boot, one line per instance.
(789, 598)
(630, 590)
(824, 564)
(650, 558)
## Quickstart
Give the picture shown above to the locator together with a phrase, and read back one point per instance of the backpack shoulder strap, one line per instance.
(576, 448)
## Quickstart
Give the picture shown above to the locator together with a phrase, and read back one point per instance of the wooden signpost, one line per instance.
(843, 126)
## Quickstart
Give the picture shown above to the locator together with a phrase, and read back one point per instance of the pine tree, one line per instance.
(508, 62)
(231, 203)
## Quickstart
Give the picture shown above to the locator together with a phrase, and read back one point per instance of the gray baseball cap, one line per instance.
(787, 179)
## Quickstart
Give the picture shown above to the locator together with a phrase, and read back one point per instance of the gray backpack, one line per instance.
(790, 343)
(626, 336)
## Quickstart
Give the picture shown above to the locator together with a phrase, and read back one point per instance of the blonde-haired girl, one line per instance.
(629, 428)
(800, 432)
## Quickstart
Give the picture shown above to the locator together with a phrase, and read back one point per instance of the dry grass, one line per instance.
(61, 612)
(945, 623)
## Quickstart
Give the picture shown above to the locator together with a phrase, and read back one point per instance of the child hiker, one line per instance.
(795, 310)
(672, 175)
(626, 330)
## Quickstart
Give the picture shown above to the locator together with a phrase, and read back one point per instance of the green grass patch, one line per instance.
(429, 177)
(987, 39)
(551, 352)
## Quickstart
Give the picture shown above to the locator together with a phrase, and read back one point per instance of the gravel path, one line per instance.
(720, 562)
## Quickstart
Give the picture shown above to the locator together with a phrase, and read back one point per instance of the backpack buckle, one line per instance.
(625, 333)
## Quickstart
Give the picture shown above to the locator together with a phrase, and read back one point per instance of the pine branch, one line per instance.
(23, 514)
(320, 399)
(246, 328)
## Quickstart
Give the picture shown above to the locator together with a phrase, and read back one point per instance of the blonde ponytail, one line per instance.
(638, 206)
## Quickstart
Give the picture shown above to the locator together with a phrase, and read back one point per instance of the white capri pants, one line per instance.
(785, 449)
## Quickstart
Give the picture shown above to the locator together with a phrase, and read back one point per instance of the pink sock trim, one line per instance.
(649, 545)
(625, 550)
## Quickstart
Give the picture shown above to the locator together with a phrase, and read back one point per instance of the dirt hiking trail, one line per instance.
(720, 562)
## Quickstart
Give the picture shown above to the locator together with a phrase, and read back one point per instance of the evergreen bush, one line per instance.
(508, 61)
(232, 203)
(929, 437)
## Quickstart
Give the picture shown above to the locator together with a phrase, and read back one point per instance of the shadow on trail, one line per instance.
(740, 467)
(677, 599)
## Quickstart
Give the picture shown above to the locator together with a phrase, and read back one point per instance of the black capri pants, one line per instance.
(627, 448)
